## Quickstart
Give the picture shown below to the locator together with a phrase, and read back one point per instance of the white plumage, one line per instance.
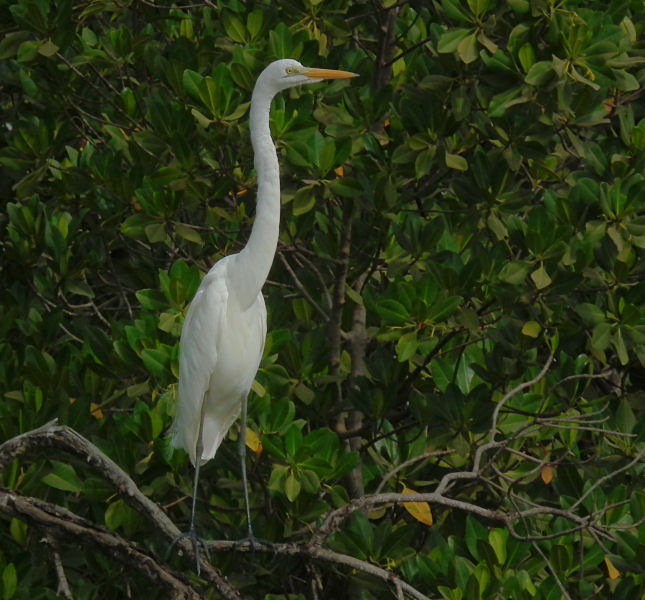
(221, 346)
(223, 335)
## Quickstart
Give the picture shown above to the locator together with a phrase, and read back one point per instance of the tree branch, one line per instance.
(316, 552)
(51, 435)
(64, 525)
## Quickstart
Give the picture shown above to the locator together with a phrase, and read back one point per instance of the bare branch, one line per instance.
(63, 524)
(316, 552)
(407, 463)
(301, 288)
(516, 390)
(51, 435)
(63, 588)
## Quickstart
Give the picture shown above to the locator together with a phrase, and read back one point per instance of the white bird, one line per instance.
(223, 334)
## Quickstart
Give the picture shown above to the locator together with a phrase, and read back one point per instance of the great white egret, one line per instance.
(223, 335)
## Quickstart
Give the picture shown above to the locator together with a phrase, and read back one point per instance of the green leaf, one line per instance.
(188, 233)
(48, 48)
(621, 348)
(9, 581)
(303, 201)
(478, 7)
(442, 371)
(156, 361)
(118, 514)
(347, 187)
(561, 557)
(497, 538)
(539, 73)
(467, 48)
(601, 336)
(210, 96)
(423, 163)
(18, 530)
(191, 81)
(474, 532)
(444, 307)
(519, 6)
(454, 161)
(292, 440)
(292, 487)
(392, 312)
(454, 10)
(310, 481)
(254, 22)
(233, 27)
(406, 346)
(282, 413)
(450, 40)
(526, 56)
(326, 157)
(63, 477)
(10, 43)
(540, 278)
(637, 505)
(128, 101)
(590, 313)
(500, 103)
(625, 82)
(514, 272)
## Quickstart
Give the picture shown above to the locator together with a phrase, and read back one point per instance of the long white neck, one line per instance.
(255, 259)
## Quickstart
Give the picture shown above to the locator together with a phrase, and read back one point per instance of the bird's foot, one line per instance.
(196, 542)
(251, 542)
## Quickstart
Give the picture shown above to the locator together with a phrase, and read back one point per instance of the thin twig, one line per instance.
(301, 288)
(407, 463)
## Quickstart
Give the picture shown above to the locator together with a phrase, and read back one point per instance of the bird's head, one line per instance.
(286, 73)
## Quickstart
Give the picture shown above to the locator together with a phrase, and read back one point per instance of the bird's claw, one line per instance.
(196, 542)
(251, 542)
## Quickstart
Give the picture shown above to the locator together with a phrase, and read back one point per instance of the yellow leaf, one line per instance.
(419, 510)
(258, 388)
(96, 411)
(612, 571)
(379, 513)
(531, 329)
(547, 474)
(253, 442)
(340, 172)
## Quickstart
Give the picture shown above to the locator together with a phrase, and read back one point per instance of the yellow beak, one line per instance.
(328, 74)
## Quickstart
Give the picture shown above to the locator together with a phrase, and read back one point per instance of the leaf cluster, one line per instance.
(473, 204)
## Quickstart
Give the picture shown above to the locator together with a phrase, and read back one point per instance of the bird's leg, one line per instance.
(191, 534)
(250, 538)
(245, 483)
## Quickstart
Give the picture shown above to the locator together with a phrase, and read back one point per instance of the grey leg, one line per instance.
(199, 449)
(245, 483)
(191, 534)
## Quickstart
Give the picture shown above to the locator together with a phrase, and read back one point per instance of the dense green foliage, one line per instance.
(474, 203)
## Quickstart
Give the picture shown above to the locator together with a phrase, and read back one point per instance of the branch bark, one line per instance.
(64, 525)
(316, 552)
(54, 436)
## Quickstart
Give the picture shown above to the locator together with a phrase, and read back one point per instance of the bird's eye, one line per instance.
(290, 70)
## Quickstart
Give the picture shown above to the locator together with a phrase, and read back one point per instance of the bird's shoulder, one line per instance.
(216, 281)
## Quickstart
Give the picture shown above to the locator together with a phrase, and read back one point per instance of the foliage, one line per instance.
(470, 206)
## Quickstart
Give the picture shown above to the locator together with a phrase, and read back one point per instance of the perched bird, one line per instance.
(223, 334)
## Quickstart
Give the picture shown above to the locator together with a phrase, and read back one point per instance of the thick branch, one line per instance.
(64, 525)
(316, 552)
(59, 437)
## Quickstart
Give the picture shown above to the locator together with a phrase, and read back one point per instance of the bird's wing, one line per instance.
(198, 354)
